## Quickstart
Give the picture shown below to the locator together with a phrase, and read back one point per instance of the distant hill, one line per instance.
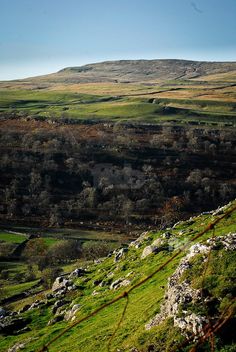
(144, 70)
(137, 71)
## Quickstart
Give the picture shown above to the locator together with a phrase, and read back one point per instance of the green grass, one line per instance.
(57, 104)
(10, 290)
(11, 237)
(144, 301)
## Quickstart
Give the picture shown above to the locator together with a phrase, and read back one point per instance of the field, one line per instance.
(179, 101)
(12, 278)
(12, 237)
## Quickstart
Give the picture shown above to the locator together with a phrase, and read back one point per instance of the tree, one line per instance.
(49, 275)
(172, 210)
(65, 250)
(96, 249)
(35, 251)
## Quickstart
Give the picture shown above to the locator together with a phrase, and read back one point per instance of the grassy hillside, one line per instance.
(214, 276)
(142, 90)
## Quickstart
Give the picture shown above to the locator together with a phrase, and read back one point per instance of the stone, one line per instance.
(139, 241)
(148, 250)
(166, 235)
(58, 304)
(119, 283)
(56, 319)
(61, 283)
(11, 325)
(120, 254)
(19, 346)
(77, 273)
(97, 282)
(24, 308)
(3, 312)
(49, 296)
(95, 293)
(36, 304)
(60, 293)
(72, 312)
(179, 294)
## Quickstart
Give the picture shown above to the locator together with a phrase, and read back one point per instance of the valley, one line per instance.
(109, 176)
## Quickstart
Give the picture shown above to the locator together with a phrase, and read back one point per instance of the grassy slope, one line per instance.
(144, 302)
(208, 99)
(12, 237)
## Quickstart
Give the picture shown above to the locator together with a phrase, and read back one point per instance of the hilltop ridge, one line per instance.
(144, 70)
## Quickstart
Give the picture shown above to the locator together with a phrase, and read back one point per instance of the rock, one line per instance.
(72, 312)
(179, 294)
(158, 242)
(58, 304)
(97, 282)
(60, 293)
(148, 250)
(36, 304)
(120, 254)
(56, 319)
(61, 283)
(24, 309)
(3, 312)
(49, 296)
(77, 273)
(166, 235)
(143, 237)
(95, 293)
(119, 283)
(19, 346)
(12, 325)
(129, 274)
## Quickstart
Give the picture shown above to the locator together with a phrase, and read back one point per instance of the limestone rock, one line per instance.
(179, 294)
(60, 283)
(148, 250)
(72, 312)
(120, 254)
(56, 319)
(119, 283)
(3, 312)
(140, 240)
(12, 325)
(77, 273)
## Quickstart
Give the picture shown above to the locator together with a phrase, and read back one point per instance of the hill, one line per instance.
(138, 71)
(169, 290)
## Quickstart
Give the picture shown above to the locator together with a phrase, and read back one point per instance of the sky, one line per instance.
(44, 36)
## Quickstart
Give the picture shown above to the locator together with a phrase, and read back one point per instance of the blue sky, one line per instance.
(42, 36)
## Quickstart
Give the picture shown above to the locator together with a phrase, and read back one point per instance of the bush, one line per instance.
(63, 251)
(96, 249)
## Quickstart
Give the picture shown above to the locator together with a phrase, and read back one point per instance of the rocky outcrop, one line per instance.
(120, 253)
(11, 325)
(119, 283)
(157, 246)
(179, 294)
(145, 236)
(61, 283)
(77, 273)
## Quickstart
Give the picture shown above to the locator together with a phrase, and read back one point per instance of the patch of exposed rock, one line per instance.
(140, 240)
(157, 245)
(119, 283)
(120, 254)
(179, 294)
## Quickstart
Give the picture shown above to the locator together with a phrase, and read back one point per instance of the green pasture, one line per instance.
(12, 237)
(58, 104)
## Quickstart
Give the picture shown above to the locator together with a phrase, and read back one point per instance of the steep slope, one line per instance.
(180, 290)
